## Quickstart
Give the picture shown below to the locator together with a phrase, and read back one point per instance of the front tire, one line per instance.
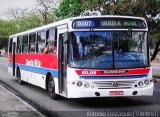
(51, 88)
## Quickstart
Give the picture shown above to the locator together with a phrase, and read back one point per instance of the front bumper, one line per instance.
(76, 92)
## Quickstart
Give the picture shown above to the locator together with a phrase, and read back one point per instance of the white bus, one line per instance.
(91, 56)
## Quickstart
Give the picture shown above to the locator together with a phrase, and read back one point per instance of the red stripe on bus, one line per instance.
(122, 72)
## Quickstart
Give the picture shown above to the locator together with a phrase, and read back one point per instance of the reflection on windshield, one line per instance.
(94, 50)
(130, 49)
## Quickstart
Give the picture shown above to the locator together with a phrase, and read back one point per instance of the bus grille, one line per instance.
(114, 84)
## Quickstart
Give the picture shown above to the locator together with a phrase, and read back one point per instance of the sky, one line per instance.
(5, 4)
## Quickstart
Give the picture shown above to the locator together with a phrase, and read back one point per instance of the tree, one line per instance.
(6, 29)
(153, 16)
(103, 6)
(126, 7)
(26, 23)
(20, 19)
(15, 13)
(156, 50)
(68, 8)
(14, 26)
(45, 8)
(140, 8)
(3, 43)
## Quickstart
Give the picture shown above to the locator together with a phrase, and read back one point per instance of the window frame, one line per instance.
(40, 42)
(52, 43)
(32, 42)
(25, 44)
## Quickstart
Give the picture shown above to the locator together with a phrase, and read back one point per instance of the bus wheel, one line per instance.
(51, 88)
(19, 78)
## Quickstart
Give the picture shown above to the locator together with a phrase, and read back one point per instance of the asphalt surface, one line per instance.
(91, 107)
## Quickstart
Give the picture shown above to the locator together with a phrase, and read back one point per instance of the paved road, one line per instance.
(83, 107)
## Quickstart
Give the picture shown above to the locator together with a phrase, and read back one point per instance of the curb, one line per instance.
(36, 106)
(23, 102)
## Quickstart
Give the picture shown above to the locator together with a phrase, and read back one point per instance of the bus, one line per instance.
(87, 56)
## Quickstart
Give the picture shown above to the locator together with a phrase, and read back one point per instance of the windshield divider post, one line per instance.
(113, 62)
(147, 43)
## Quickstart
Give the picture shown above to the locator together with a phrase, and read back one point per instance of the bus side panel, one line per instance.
(20, 62)
(37, 79)
(36, 66)
(10, 69)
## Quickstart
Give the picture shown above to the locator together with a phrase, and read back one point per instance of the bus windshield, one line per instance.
(108, 50)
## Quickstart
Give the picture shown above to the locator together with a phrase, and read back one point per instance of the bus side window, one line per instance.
(10, 45)
(24, 44)
(32, 39)
(18, 45)
(40, 44)
(51, 40)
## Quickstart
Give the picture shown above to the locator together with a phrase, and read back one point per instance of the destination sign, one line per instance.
(84, 23)
(107, 23)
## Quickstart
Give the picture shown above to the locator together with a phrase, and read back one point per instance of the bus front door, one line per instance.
(62, 65)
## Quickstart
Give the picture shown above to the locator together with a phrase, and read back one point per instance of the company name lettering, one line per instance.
(35, 63)
(114, 72)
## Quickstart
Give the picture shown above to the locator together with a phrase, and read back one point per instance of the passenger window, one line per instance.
(51, 39)
(24, 44)
(18, 45)
(32, 39)
(40, 42)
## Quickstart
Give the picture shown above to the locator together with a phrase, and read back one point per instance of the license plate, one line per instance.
(112, 93)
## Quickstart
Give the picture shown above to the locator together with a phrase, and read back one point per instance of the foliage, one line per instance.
(96, 5)
(44, 9)
(68, 8)
(15, 13)
(140, 8)
(19, 25)
(26, 23)
(4, 43)
(6, 29)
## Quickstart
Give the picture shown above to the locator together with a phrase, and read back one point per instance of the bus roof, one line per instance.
(65, 21)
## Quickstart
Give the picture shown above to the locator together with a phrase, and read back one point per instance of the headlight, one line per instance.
(79, 83)
(86, 85)
(140, 83)
(146, 82)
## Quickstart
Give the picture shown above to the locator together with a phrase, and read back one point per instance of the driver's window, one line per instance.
(75, 46)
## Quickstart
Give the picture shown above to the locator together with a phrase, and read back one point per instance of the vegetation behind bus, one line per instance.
(47, 12)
